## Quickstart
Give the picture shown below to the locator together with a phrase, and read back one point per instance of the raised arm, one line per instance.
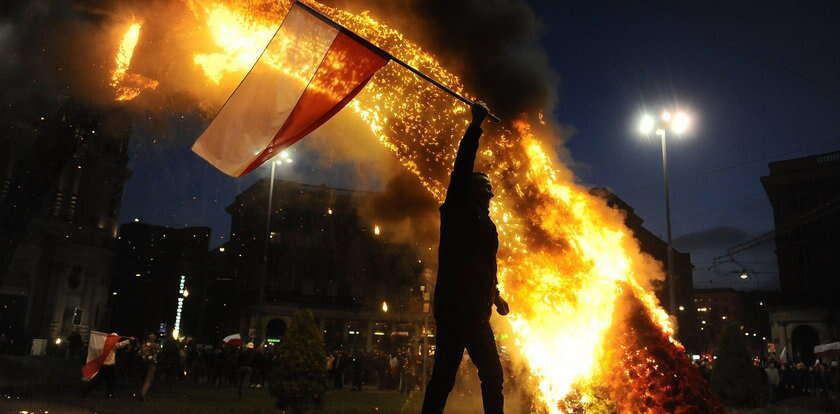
(459, 182)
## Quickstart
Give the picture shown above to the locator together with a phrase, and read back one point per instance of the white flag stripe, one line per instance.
(259, 107)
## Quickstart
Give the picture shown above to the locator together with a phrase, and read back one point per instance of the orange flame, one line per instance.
(128, 85)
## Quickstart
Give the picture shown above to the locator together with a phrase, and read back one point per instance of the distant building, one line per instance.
(364, 290)
(160, 279)
(717, 309)
(658, 249)
(62, 182)
(805, 195)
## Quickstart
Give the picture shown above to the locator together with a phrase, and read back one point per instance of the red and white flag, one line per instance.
(309, 71)
(233, 340)
(100, 347)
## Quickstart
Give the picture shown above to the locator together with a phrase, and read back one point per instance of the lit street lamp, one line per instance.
(279, 159)
(677, 123)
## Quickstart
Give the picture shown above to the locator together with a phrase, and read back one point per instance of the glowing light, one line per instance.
(384, 306)
(376, 229)
(58, 341)
(744, 276)
(222, 249)
(182, 293)
(329, 211)
(682, 308)
(666, 116)
(680, 123)
(646, 124)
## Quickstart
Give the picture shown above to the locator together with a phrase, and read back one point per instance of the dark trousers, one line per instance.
(106, 374)
(477, 339)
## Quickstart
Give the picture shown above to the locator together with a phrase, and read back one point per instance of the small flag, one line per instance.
(309, 71)
(233, 340)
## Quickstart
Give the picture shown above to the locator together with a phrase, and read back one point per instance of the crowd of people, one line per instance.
(398, 370)
(161, 363)
(820, 379)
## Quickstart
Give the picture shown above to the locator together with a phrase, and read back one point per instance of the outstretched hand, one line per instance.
(479, 112)
(501, 306)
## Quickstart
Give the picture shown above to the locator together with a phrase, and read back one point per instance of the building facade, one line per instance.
(717, 309)
(160, 280)
(317, 252)
(805, 195)
(62, 184)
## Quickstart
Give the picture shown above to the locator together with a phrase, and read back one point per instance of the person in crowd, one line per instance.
(169, 362)
(466, 284)
(773, 380)
(149, 351)
(357, 369)
(107, 372)
(338, 372)
(245, 368)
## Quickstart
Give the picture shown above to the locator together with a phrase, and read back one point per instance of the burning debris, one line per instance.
(128, 85)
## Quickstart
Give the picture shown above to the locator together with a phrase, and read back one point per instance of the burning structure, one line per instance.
(585, 325)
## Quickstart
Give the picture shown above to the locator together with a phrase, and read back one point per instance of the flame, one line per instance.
(128, 85)
(565, 259)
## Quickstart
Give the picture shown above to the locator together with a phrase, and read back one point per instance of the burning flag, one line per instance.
(324, 68)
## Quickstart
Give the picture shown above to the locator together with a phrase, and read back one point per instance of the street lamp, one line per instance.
(677, 123)
(279, 159)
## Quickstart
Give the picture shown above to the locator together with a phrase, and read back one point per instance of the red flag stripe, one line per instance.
(346, 69)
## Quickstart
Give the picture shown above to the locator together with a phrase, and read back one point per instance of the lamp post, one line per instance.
(283, 157)
(677, 123)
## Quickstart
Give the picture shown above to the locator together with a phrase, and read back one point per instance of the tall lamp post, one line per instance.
(283, 157)
(676, 123)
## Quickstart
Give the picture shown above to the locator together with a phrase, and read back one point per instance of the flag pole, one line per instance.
(391, 57)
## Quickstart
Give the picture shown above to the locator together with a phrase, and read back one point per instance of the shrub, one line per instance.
(735, 380)
(298, 375)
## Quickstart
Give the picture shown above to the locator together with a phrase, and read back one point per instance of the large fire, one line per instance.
(566, 261)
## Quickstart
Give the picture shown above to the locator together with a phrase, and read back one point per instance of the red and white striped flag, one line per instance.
(309, 71)
(233, 340)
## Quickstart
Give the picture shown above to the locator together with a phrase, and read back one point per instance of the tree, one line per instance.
(298, 378)
(735, 380)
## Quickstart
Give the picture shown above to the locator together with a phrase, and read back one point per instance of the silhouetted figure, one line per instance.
(149, 352)
(466, 282)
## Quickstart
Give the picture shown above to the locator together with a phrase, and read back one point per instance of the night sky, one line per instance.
(761, 85)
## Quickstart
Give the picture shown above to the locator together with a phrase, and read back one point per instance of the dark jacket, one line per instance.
(466, 282)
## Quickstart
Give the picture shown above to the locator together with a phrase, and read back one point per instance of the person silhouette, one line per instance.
(466, 284)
